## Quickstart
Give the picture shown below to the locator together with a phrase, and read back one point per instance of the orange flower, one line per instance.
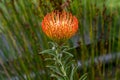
(59, 26)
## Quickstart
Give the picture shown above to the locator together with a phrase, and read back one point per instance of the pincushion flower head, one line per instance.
(59, 26)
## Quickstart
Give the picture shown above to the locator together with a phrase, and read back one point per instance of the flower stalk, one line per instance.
(59, 27)
(62, 61)
(62, 66)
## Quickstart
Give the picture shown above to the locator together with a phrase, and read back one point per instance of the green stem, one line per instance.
(62, 68)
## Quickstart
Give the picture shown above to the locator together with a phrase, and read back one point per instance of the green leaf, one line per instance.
(49, 59)
(57, 77)
(83, 77)
(74, 69)
(66, 59)
(49, 51)
(55, 70)
(68, 53)
(46, 51)
(53, 44)
(69, 64)
(71, 48)
(67, 48)
(64, 47)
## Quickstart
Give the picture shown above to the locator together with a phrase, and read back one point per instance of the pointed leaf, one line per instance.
(46, 51)
(66, 60)
(69, 64)
(57, 77)
(68, 53)
(49, 51)
(83, 77)
(72, 72)
(55, 70)
(49, 59)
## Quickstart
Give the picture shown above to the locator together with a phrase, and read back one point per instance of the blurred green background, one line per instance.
(97, 43)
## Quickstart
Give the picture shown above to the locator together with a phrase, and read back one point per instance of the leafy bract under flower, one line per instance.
(59, 26)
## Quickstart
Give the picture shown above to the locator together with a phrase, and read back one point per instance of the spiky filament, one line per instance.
(59, 26)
